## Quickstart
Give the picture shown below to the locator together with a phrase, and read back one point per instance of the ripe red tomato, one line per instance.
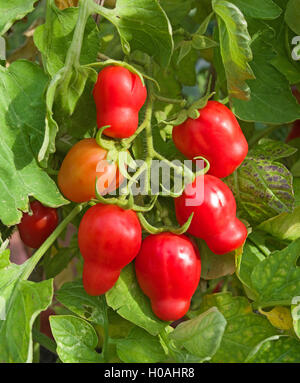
(216, 135)
(168, 269)
(109, 238)
(35, 229)
(83, 165)
(214, 209)
(119, 95)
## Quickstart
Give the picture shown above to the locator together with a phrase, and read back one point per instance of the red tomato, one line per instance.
(109, 238)
(35, 229)
(168, 269)
(83, 165)
(214, 209)
(119, 95)
(216, 135)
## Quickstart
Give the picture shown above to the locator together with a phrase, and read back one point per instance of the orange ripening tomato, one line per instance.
(83, 165)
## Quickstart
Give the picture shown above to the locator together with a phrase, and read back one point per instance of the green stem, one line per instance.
(103, 57)
(164, 337)
(147, 122)
(170, 100)
(106, 335)
(44, 341)
(73, 56)
(261, 305)
(178, 169)
(49, 241)
(171, 229)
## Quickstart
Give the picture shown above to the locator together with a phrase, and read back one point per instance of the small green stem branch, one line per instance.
(49, 241)
(106, 336)
(44, 341)
(164, 337)
(73, 56)
(261, 305)
(146, 122)
(170, 100)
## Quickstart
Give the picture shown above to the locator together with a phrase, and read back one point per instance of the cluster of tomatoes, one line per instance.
(167, 265)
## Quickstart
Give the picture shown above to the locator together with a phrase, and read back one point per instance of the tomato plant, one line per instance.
(164, 134)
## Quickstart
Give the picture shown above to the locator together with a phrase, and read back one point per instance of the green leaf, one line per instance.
(144, 27)
(259, 9)
(252, 255)
(76, 339)
(235, 48)
(263, 189)
(244, 329)
(53, 265)
(4, 255)
(13, 10)
(127, 298)
(203, 42)
(21, 302)
(184, 49)
(278, 349)
(54, 38)
(277, 278)
(285, 226)
(185, 69)
(22, 134)
(73, 296)
(284, 61)
(215, 266)
(176, 10)
(272, 150)
(140, 347)
(271, 97)
(80, 122)
(292, 15)
(202, 335)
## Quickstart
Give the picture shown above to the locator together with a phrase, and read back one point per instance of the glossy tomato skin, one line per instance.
(35, 229)
(119, 95)
(214, 211)
(109, 238)
(83, 165)
(216, 135)
(168, 269)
